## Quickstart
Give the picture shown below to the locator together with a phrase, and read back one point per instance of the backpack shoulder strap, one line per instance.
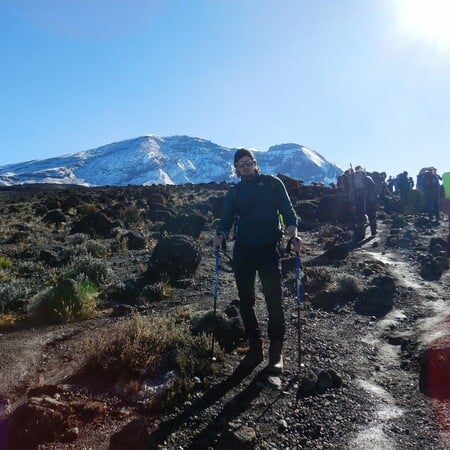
(270, 180)
(235, 195)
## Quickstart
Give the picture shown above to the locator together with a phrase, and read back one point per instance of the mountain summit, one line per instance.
(154, 159)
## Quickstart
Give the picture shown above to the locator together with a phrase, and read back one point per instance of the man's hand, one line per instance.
(296, 244)
(294, 239)
(218, 239)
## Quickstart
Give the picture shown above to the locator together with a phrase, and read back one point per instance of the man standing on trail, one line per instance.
(431, 191)
(255, 204)
(364, 201)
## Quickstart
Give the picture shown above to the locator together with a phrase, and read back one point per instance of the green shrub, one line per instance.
(67, 301)
(5, 263)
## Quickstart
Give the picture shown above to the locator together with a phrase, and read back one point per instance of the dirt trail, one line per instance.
(431, 299)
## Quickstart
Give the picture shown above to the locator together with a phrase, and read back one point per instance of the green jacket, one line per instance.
(255, 204)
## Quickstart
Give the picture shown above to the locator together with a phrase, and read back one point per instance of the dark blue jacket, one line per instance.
(255, 204)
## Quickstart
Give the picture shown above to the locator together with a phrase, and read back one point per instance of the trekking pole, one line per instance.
(298, 298)
(215, 292)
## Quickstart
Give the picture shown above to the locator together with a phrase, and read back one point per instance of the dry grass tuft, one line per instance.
(347, 288)
(87, 209)
(150, 348)
(8, 320)
(157, 291)
(131, 216)
(317, 279)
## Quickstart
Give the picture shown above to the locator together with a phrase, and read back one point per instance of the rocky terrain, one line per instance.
(373, 322)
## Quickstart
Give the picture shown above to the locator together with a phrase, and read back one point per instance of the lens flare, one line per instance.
(426, 19)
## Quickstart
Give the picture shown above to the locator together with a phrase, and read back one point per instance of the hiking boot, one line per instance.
(275, 357)
(254, 354)
(360, 233)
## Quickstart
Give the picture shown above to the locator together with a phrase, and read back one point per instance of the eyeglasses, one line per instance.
(247, 163)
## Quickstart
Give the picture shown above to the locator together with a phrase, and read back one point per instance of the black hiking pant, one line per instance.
(432, 203)
(366, 204)
(266, 261)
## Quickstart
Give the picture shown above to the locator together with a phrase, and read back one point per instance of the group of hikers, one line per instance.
(428, 184)
(254, 206)
(366, 191)
(363, 194)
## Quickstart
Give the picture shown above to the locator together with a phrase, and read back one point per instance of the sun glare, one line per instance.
(426, 19)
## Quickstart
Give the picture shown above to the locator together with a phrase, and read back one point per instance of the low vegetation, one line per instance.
(67, 301)
(159, 351)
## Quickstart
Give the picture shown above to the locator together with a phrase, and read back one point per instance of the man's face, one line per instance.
(246, 167)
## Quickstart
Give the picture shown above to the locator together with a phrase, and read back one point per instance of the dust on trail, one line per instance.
(19, 355)
(401, 269)
(373, 435)
(431, 297)
(28, 357)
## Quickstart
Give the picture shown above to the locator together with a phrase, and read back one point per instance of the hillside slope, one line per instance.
(362, 380)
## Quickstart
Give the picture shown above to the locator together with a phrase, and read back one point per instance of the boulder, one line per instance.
(174, 257)
(96, 224)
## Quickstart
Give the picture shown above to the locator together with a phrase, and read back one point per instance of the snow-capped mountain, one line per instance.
(154, 159)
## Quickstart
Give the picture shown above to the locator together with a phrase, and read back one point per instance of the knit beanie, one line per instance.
(240, 153)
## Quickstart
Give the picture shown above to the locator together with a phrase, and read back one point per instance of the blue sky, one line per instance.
(359, 81)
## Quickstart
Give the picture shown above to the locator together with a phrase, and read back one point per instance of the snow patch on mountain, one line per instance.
(153, 159)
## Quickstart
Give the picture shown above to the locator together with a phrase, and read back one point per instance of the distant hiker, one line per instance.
(430, 187)
(364, 203)
(381, 190)
(390, 183)
(347, 180)
(403, 187)
(340, 182)
(254, 204)
(421, 176)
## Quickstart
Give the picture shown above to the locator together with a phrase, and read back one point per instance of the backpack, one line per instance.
(429, 180)
(267, 180)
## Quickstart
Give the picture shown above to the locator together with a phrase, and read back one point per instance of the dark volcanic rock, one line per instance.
(174, 257)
